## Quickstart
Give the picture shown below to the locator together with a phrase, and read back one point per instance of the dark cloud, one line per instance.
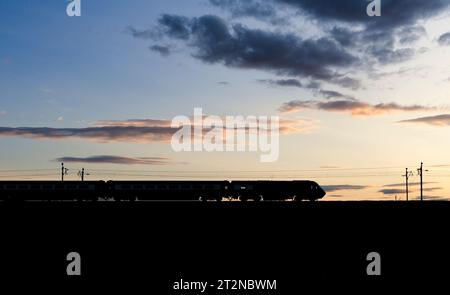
(444, 40)
(392, 191)
(116, 160)
(395, 14)
(388, 56)
(395, 185)
(163, 50)
(344, 36)
(223, 83)
(255, 8)
(175, 26)
(355, 41)
(354, 107)
(352, 26)
(440, 120)
(283, 82)
(432, 189)
(133, 131)
(143, 34)
(103, 134)
(343, 187)
(398, 191)
(213, 41)
(334, 94)
(411, 34)
(313, 86)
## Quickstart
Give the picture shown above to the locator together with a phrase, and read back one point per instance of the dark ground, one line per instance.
(130, 246)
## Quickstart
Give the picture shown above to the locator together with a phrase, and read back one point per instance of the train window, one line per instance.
(10, 186)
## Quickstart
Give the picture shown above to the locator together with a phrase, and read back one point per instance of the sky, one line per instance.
(362, 98)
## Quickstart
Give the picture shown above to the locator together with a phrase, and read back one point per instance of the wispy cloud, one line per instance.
(282, 82)
(354, 107)
(163, 50)
(403, 184)
(116, 160)
(134, 130)
(343, 187)
(102, 134)
(392, 191)
(439, 120)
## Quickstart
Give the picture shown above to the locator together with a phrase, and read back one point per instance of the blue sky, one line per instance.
(61, 72)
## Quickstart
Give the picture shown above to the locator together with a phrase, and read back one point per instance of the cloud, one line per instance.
(287, 54)
(2, 113)
(392, 191)
(411, 184)
(135, 130)
(395, 13)
(355, 107)
(444, 40)
(283, 82)
(313, 86)
(163, 50)
(374, 37)
(223, 83)
(439, 120)
(257, 9)
(347, 40)
(116, 160)
(334, 94)
(388, 56)
(102, 134)
(343, 187)
(412, 34)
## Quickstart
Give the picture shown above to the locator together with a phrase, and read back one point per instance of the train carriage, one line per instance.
(51, 190)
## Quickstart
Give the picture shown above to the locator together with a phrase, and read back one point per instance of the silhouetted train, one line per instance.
(161, 190)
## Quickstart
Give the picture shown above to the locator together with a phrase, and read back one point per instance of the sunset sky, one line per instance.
(363, 97)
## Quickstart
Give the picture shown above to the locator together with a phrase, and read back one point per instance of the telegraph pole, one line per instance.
(407, 175)
(421, 181)
(82, 174)
(420, 172)
(62, 171)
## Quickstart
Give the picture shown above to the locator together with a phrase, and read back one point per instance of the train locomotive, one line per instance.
(297, 190)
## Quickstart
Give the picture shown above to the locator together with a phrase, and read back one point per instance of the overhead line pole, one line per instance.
(407, 184)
